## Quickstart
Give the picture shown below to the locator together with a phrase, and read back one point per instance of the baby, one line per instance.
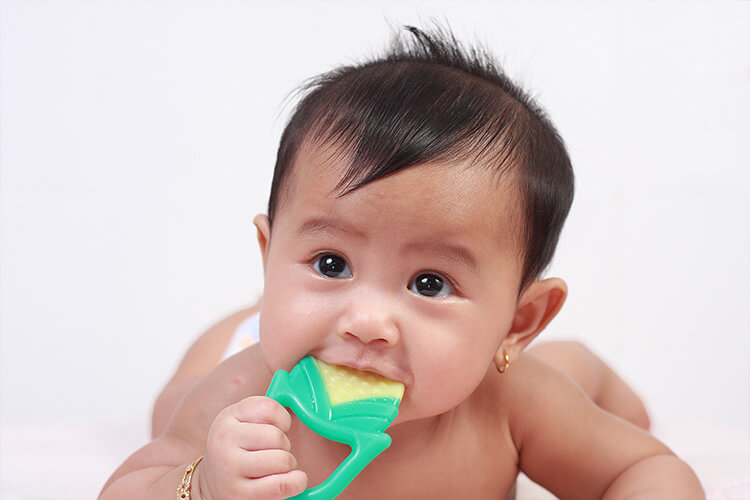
(417, 198)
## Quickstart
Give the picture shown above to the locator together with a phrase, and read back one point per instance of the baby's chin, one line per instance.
(411, 411)
(410, 425)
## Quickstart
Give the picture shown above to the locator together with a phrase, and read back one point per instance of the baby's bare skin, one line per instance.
(418, 448)
(451, 432)
(594, 377)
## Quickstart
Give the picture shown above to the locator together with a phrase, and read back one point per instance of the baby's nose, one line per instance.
(369, 324)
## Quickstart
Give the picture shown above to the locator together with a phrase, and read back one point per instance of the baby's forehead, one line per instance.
(458, 190)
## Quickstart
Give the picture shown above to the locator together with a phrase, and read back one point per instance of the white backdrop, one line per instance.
(137, 141)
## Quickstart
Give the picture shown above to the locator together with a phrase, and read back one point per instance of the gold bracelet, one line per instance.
(183, 490)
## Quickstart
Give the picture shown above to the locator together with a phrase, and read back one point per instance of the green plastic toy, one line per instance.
(355, 417)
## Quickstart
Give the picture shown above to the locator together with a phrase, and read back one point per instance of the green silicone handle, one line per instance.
(360, 424)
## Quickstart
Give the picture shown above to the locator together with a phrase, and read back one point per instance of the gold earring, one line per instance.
(507, 363)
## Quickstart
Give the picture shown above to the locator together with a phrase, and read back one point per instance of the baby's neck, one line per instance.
(416, 432)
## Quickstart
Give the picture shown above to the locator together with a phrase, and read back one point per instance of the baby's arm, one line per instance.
(241, 436)
(576, 450)
(202, 357)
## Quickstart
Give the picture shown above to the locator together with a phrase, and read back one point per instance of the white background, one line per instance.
(137, 141)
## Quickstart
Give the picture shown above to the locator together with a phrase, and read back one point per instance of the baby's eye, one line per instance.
(430, 285)
(333, 266)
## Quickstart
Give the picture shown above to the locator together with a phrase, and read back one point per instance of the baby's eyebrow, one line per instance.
(324, 225)
(455, 252)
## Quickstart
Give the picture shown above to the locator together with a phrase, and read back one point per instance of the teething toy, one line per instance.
(344, 405)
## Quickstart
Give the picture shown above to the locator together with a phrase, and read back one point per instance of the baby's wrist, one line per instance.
(200, 490)
(189, 488)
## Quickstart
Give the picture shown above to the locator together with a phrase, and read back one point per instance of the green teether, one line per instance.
(344, 405)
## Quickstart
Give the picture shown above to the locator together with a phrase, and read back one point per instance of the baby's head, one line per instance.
(416, 200)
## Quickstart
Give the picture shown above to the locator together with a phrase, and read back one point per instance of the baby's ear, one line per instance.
(263, 225)
(538, 305)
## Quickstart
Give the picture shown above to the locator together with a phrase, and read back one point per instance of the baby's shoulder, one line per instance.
(528, 371)
(529, 389)
(527, 377)
(243, 375)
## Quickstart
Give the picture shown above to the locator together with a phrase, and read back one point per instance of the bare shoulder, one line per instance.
(529, 375)
(525, 394)
(206, 352)
(530, 388)
(522, 392)
(560, 432)
(202, 357)
(243, 375)
(503, 405)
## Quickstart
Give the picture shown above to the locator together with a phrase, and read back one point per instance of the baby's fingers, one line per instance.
(262, 410)
(262, 463)
(278, 485)
(252, 437)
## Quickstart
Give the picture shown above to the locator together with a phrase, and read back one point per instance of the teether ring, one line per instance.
(344, 405)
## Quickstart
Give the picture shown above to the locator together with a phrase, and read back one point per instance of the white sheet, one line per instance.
(72, 461)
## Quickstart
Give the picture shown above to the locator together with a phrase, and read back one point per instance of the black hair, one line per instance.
(430, 99)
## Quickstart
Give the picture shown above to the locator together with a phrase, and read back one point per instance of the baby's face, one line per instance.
(414, 276)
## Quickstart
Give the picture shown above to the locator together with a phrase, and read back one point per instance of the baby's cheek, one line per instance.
(442, 386)
(276, 339)
(288, 332)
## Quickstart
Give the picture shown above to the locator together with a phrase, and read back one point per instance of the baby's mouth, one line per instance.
(345, 384)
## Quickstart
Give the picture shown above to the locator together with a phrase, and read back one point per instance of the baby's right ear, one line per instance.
(263, 225)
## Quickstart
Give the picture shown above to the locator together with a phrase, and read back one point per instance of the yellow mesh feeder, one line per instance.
(344, 384)
(344, 405)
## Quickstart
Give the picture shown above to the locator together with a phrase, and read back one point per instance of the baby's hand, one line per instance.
(247, 454)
